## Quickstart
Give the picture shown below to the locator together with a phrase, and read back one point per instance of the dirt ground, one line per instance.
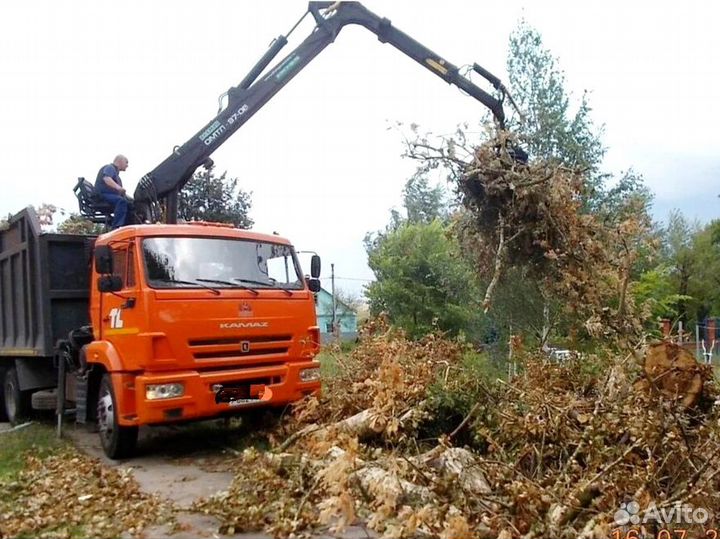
(184, 464)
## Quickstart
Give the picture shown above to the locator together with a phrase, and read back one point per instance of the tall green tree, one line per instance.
(684, 283)
(681, 258)
(422, 282)
(655, 290)
(704, 283)
(423, 202)
(555, 126)
(551, 127)
(207, 197)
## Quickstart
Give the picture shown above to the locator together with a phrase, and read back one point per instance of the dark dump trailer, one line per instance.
(44, 295)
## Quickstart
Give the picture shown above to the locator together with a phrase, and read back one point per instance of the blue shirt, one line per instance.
(111, 171)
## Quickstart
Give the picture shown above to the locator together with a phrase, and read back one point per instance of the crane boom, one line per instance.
(248, 97)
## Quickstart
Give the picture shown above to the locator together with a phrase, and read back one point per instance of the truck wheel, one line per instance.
(16, 402)
(117, 441)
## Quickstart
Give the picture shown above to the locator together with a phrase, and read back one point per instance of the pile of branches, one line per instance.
(532, 215)
(553, 452)
(386, 355)
(573, 442)
(69, 494)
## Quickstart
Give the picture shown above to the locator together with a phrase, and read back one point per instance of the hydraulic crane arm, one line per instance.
(245, 99)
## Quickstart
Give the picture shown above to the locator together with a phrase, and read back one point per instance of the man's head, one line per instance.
(121, 162)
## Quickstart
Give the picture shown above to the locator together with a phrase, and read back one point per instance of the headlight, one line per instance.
(164, 391)
(310, 375)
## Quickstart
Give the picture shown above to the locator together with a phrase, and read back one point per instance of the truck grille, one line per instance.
(240, 347)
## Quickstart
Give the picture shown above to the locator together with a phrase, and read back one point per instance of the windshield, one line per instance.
(220, 263)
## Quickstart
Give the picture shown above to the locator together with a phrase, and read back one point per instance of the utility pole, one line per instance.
(334, 303)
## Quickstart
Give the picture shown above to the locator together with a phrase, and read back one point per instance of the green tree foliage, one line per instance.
(423, 202)
(556, 127)
(655, 289)
(704, 284)
(207, 197)
(627, 195)
(681, 258)
(77, 224)
(550, 128)
(714, 229)
(684, 283)
(422, 281)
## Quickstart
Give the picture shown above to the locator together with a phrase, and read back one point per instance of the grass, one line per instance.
(14, 446)
(330, 362)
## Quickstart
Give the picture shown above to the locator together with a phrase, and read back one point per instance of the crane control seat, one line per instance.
(91, 206)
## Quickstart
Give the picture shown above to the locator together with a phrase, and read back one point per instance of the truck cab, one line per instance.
(196, 321)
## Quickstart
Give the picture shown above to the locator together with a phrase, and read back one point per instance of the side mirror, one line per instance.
(314, 284)
(109, 283)
(103, 260)
(315, 266)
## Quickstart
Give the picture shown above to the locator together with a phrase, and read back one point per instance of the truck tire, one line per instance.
(117, 441)
(16, 403)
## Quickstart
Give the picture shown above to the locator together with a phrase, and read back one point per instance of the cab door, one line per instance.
(121, 315)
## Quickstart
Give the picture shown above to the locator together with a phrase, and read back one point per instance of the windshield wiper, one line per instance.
(178, 281)
(272, 284)
(261, 283)
(229, 283)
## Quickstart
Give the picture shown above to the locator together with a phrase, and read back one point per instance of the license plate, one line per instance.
(238, 395)
(230, 394)
(240, 402)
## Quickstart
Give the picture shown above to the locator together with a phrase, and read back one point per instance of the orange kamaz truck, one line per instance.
(156, 323)
(153, 324)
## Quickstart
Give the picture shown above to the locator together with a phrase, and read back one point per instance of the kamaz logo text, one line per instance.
(243, 325)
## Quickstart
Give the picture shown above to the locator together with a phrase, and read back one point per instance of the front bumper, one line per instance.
(270, 386)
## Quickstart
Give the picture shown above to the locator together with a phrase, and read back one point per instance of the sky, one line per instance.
(82, 81)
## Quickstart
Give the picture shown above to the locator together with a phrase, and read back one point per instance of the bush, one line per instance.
(455, 392)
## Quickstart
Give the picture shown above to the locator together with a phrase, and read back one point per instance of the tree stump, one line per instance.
(673, 370)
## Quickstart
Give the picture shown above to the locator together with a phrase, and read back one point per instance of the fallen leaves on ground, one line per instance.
(69, 494)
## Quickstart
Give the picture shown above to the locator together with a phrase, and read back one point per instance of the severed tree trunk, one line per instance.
(673, 371)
